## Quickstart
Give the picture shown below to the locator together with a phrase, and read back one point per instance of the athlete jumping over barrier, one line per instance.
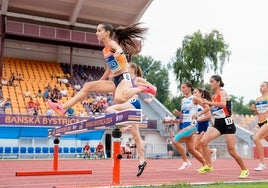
(121, 86)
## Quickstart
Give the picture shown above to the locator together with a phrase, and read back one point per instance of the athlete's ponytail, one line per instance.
(137, 69)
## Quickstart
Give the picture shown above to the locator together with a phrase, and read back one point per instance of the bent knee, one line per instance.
(203, 142)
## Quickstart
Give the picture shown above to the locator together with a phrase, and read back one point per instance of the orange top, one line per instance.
(115, 63)
(217, 98)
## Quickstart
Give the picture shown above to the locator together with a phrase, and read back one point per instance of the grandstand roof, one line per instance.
(77, 13)
(83, 15)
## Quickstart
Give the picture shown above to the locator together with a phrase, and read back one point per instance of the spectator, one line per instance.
(100, 150)
(11, 79)
(54, 94)
(48, 87)
(46, 95)
(49, 112)
(2, 106)
(64, 92)
(2, 102)
(85, 101)
(30, 106)
(36, 107)
(170, 147)
(102, 104)
(4, 82)
(27, 93)
(39, 93)
(110, 99)
(86, 151)
(82, 74)
(77, 87)
(70, 112)
(8, 103)
(95, 108)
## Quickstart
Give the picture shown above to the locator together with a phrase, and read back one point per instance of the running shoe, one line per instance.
(148, 89)
(244, 174)
(205, 169)
(214, 154)
(141, 168)
(260, 167)
(185, 165)
(56, 108)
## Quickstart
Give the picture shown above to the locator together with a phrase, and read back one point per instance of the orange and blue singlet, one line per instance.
(219, 112)
(115, 63)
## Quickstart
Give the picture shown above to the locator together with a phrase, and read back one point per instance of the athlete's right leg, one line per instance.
(191, 148)
(257, 138)
(96, 86)
(209, 135)
(135, 131)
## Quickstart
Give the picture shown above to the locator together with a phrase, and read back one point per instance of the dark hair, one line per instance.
(205, 93)
(265, 83)
(189, 84)
(138, 70)
(126, 35)
(218, 79)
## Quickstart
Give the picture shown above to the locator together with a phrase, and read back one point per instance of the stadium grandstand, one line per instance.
(51, 46)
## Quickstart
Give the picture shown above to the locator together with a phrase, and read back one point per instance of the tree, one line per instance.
(199, 55)
(238, 106)
(174, 103)
(156, 74)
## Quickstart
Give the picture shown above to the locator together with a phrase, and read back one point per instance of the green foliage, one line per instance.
(238, 106)
(174, 103)
(199, 54)
(156, 74)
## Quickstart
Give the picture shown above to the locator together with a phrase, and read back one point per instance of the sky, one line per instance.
(243, 24)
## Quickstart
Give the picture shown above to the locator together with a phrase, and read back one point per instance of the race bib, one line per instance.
(218, 113)
(228, 121)
(186, 116)
(127, 76)
(113, 64)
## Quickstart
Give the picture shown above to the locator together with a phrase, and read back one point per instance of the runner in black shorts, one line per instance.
(223, 125)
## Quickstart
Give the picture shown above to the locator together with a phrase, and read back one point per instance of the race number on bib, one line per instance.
(127, 76)
(113, 64)
(228, 121)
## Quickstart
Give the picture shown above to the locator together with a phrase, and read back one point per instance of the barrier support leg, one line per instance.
(116, 156)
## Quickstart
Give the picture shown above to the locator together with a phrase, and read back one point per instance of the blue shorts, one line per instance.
(136, 103)
(202, 126)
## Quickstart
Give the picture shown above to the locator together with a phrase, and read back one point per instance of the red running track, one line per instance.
(157, 172)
